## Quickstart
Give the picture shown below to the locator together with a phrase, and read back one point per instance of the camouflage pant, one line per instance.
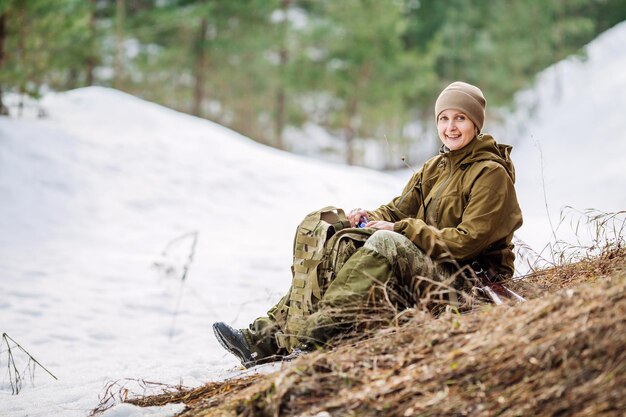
(398, 271)
(389, 268)
(416, 277)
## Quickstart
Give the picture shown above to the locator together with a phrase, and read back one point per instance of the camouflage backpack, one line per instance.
(323, 243)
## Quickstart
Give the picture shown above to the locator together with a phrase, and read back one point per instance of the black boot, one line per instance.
(233, 341)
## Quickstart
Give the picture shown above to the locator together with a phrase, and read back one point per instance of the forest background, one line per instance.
(357, 69)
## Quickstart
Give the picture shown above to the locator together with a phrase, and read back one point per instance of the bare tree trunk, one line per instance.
(21, 56)
(280, 109)
(120, 10)
(352, 110)
(4, 111)
(201, 62)
(90, 63)
(282, 64)
(350, 130)
(72, 78)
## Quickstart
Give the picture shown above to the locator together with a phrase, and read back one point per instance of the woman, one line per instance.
(460, 208)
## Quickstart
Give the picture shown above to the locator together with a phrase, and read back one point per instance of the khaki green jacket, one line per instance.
(461, 206)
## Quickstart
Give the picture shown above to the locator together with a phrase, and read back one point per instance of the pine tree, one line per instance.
(43, 42)
(4, 111)
(354, 65)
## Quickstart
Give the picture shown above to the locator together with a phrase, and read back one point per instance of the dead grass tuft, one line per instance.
(588, 270)
(204, 400)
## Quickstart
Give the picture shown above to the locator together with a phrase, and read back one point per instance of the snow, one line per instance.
(103, 200)
(95, 193)
(570, 143)
(127, 410)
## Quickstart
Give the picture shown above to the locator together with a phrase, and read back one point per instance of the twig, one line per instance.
(192, 250)
(118, 392)
(15, 377)
(545, 195)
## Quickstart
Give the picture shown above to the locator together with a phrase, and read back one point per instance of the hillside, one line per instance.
(109, 201)
(561, 353)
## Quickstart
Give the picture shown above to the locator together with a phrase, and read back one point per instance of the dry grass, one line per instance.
(588, 270)
(562, 353)
(205, 397)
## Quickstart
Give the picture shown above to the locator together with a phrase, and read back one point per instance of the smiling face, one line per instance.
(455, 129)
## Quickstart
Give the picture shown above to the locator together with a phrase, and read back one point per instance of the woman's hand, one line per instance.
(380, 225)
(355, 215)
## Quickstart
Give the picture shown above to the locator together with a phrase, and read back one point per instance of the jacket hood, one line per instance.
(484, 148)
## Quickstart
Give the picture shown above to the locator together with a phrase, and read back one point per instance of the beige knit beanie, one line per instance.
(465, 97)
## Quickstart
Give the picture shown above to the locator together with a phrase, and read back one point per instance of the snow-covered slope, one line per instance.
(570, 141)
(91, 197)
